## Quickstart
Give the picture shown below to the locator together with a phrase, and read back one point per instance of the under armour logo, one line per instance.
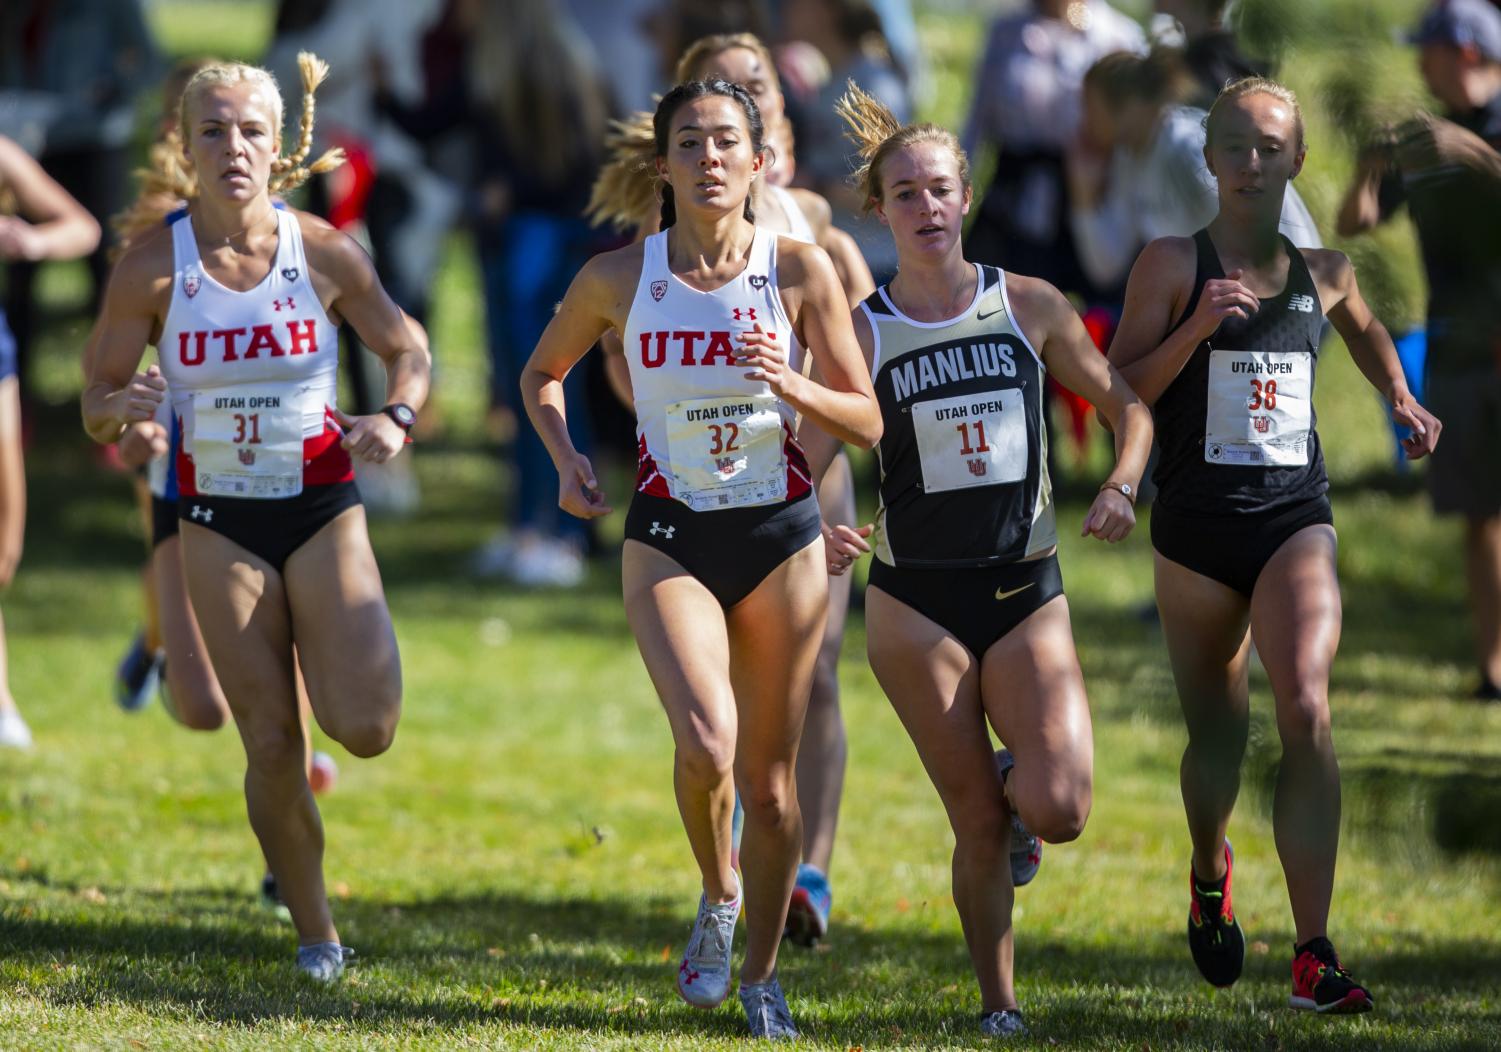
(290, 273)
(202, 514)
(1302, 303)
(291, 305)
(744, 313)
(665, 531)
(758, 281)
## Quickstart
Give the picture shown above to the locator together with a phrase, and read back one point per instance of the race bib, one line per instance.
(727, 452)
(972, 440)
(1260, 408)
(247, 440)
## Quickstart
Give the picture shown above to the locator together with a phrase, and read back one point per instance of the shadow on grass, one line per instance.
(604, 966)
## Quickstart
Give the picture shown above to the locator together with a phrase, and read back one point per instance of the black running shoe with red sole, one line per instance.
(1214, 936)
(1321, 984)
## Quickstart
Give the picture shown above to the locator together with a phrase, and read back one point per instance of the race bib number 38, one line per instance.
(1260, 408)
(971, 440)
(247, 441)
(727, 452)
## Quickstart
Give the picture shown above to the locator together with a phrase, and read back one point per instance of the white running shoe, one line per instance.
(1026, 849)
(1005, 1023)
(704, 975)
(14, 733)
(323, 961)
(766, 1010)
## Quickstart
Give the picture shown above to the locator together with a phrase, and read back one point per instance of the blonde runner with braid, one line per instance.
(242, 299)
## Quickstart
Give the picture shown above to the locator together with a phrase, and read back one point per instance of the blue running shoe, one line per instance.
(137, 677)
(808, 912)
(323, 962)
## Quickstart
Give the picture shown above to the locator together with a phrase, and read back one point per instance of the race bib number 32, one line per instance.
(1260, 408)
(727, 452)
(247, 441)
(971, 440)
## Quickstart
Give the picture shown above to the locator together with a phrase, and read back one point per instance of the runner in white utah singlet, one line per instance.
(253, 376)
(706, 435)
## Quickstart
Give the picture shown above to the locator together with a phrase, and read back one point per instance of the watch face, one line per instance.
(1126, 488)
(403, 415)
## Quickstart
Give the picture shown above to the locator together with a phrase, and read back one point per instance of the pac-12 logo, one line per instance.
(1302, 303)
(658, 290)
(191, 284)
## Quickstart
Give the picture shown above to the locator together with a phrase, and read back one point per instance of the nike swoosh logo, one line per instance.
(990, 314)
(999, 594)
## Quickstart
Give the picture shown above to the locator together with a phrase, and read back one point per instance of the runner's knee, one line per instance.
(768, 796)
(707, 760)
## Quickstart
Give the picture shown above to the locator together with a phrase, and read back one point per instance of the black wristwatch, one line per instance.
(403, 415)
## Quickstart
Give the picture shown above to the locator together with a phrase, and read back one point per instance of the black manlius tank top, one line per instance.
(1236, 427)
(963, 456)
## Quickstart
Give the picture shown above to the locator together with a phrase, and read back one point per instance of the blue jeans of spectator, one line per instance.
(526, 264)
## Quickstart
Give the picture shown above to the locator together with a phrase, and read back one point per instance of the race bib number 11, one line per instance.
(972, 440)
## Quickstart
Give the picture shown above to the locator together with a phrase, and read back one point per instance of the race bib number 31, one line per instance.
(972, 440)
(247, 441)
(727, 452)
(1260, 408)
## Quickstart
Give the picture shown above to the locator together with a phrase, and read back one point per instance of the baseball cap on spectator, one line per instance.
(1464, 24)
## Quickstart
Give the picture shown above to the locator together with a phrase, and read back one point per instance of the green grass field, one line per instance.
(513, 873)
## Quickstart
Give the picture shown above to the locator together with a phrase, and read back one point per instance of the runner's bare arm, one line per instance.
(1158, 290)
(52, 225)
(597, 300)
(844, 404)
(1371, 347)
(1054, 327)
(135, 301)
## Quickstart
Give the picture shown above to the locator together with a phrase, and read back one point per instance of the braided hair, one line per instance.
(288, 171)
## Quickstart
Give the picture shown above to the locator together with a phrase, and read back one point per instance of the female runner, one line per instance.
(51, 225)
(722, 538)
(1220, 335)
(741, 58)
(241, 299)
(966, 618)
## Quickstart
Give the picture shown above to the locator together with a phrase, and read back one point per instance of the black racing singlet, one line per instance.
(963, 455)
(1236, 427)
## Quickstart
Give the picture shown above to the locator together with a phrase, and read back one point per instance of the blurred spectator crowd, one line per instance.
(490, 117)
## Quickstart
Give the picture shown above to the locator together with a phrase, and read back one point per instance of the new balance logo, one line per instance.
(744, 313)
(200, 514)
(278, 304)
(665, 531)
(1301, 303)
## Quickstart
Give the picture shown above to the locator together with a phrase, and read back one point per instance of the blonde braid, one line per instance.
(287, 172)
(623, 193)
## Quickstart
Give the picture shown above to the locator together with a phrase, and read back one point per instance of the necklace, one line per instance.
(246, 229)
